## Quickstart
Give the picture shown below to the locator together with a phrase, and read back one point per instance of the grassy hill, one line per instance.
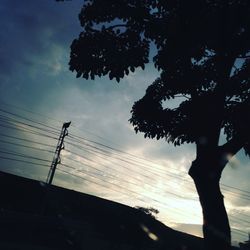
(36, 216)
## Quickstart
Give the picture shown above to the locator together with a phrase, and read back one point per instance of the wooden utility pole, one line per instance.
(59, 147)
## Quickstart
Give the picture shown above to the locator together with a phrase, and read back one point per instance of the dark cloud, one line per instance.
(35, 41)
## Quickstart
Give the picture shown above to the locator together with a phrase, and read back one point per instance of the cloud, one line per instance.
(35, 50)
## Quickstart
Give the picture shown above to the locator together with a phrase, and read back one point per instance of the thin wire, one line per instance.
(23, 155)
(181, 178)
(15, 124)
(131, 177)
(241, 190)
(22, 145)
(31, 112)
(234, 218)
(155, 170)
(123, 160)
(175, 194)
(111, 183)
(131, 192)
(75, 136)
(29, 131)
(129, 181)
(236, 231)
(24, 161)
(27, 140)
(243, 196)
(116, 152)
(25, 118)
(109, 147)
(19, 124)
(101, 144)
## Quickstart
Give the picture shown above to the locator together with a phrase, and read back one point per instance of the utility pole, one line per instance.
(59, 147)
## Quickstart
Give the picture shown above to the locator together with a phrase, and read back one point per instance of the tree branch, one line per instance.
(116, 26)
(229, 99)
(185, 96)
(109, 28)
(243, 57)
(236, 69)
(233, 146)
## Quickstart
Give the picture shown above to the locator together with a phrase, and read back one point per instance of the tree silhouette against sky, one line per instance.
(202, 52)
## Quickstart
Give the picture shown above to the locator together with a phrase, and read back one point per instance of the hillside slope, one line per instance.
(34, 216)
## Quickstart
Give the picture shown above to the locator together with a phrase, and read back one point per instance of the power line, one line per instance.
(109, 151)
(24, 125)
(25, 146)
(242, 195)
(83, 138)
(106, 153)
(131, 192)
(30, 112)
(49, 118)
(26, 140)
(129, 181)
(237, 231)
(149, 177)
(167, 173)
(110, 148)
(234, 218)
(23, 155)
(23, 161)
(25, 118)
(241, 213)
(115, 152)
(223, 185)
(18, 125)
(241, 190)
(100, 151)
(28, 131)
(101, 144)
(146, 176)
(133, 183)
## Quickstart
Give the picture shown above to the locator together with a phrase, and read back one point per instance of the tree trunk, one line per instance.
(216, 229)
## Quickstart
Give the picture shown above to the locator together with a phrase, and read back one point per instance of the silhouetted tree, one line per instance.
(152, 212)
(202, 55)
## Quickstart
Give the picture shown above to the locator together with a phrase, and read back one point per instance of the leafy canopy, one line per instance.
(202, 54)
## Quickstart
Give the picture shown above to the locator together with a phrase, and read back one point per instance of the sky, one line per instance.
(35, 83)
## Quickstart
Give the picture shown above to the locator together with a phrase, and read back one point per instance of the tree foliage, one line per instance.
(152, 212)
(202, 53)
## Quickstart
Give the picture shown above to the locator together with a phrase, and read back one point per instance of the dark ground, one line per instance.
(35, 216)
